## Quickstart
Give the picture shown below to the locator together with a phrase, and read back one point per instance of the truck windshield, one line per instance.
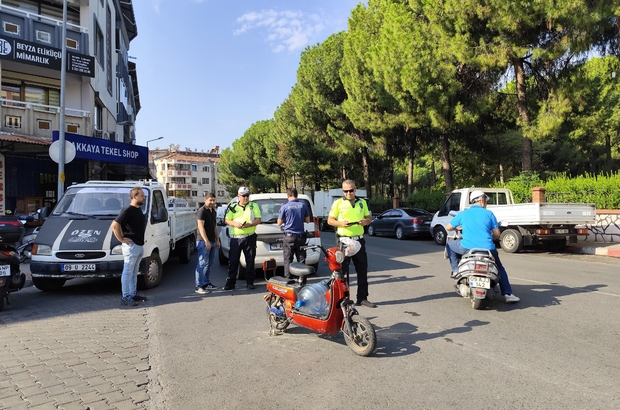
(97, 201)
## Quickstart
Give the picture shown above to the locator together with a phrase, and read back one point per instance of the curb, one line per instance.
(600, 250)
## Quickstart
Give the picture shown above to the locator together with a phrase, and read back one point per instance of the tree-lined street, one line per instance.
(555, 349)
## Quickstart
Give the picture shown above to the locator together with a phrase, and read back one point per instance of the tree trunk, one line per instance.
(524, 115)
(433, 174)
(446, 167)
(366, 172)
(410, 168)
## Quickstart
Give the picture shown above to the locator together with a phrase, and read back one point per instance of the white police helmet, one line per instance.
(476, 196)
(351, 246)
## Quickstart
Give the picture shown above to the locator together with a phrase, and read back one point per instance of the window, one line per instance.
(44, 125)
(205, 169)
(194, 167)
(99, 46)
(73, 44)
(12, 121)
(44, 36)
(194, 180)
(73, 128)
(11, 28)
(205, 180)
(98, 116)
(194, 193)
(16, 90)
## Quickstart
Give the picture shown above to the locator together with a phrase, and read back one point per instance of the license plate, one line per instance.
(561, 231)
(479, 282)
(5, 270)
(78, 267)
(275, 246)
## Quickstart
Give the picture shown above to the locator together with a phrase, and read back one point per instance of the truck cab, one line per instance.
(458, 200)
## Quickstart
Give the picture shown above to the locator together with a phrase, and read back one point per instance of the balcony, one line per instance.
(177, 186)
(40, 120)
(176, 173)
(43, 29)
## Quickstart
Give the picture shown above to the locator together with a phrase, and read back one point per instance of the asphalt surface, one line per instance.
(79, 349)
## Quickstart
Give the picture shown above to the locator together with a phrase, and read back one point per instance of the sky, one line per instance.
(208, 69)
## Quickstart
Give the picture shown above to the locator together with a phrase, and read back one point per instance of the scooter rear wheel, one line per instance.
(477, 303)
(277, 322)
(364, 339)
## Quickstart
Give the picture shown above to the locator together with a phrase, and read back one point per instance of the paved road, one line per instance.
(556, 349)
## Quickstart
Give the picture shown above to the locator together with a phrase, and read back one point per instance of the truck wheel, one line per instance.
(223, 259)
(185, 250)
(511, 241)
(555, 245)
(439, 234)
(48, 284)
(152, 278)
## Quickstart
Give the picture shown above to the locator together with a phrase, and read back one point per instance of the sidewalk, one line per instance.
(595, 248)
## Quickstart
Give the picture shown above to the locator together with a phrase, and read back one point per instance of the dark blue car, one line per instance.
(402, 223)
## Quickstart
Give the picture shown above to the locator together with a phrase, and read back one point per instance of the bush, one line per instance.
(601, 190)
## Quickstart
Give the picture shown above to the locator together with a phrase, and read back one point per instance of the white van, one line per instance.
(269, 234)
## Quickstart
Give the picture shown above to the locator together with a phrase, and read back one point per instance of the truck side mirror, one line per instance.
(452, 213)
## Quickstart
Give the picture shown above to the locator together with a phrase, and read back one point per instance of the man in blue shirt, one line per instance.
(479, 227)
(292, 217)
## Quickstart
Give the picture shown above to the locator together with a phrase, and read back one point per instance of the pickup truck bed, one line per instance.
(544, 214)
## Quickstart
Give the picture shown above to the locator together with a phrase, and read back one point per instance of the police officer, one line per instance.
(242, 217)
(350, 214)
(292, 216)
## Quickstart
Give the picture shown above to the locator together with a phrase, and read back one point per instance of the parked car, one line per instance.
(402, 223)
(269, 234)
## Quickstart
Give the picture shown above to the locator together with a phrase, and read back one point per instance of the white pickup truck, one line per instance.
(550, 224)
(76, 240)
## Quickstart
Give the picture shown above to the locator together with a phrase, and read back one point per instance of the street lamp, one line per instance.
(154, 139)
(148, 158)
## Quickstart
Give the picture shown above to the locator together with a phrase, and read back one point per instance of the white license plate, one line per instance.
(561, 231)
(78, 267)
(275, 246)
(479, 282)
(5, 270)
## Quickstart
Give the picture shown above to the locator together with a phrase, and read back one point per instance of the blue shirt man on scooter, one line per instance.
(479, 227)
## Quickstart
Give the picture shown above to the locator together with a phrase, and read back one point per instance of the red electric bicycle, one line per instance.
(324, 307)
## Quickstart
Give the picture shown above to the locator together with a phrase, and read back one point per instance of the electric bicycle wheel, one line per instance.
(277, 321)
(364, 339)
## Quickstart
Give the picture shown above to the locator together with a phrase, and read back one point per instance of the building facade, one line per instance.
(101, 97)
(188, 174)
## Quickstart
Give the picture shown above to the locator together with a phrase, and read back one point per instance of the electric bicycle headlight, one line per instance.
(117, 250)
(45, 250)
(339, 256)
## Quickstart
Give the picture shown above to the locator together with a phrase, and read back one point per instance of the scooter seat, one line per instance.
(281, 280)
(299, 269)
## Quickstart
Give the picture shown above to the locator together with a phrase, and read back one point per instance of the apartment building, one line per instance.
(101, 96)
(189, 174)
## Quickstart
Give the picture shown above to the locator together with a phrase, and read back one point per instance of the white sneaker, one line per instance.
(510, 298)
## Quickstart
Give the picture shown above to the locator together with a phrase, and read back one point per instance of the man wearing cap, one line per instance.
(479, 227)
(292, 217)
(349, 215)
(242, 217)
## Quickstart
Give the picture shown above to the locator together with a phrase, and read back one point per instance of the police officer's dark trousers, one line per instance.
(291, 246)
(360, 261)
(246, 245)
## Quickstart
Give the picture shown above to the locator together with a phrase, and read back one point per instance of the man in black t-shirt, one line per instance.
(208, 243)
(128, 227)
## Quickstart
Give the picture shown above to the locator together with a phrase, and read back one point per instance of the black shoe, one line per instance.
(229, 285)
(365, 303)
(140, 298)
(251, 286)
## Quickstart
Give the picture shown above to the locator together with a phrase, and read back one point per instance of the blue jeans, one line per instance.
(132, 255)
(455, 250)
(206, 257)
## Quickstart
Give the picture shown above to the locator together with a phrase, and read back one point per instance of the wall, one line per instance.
(606, 228)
